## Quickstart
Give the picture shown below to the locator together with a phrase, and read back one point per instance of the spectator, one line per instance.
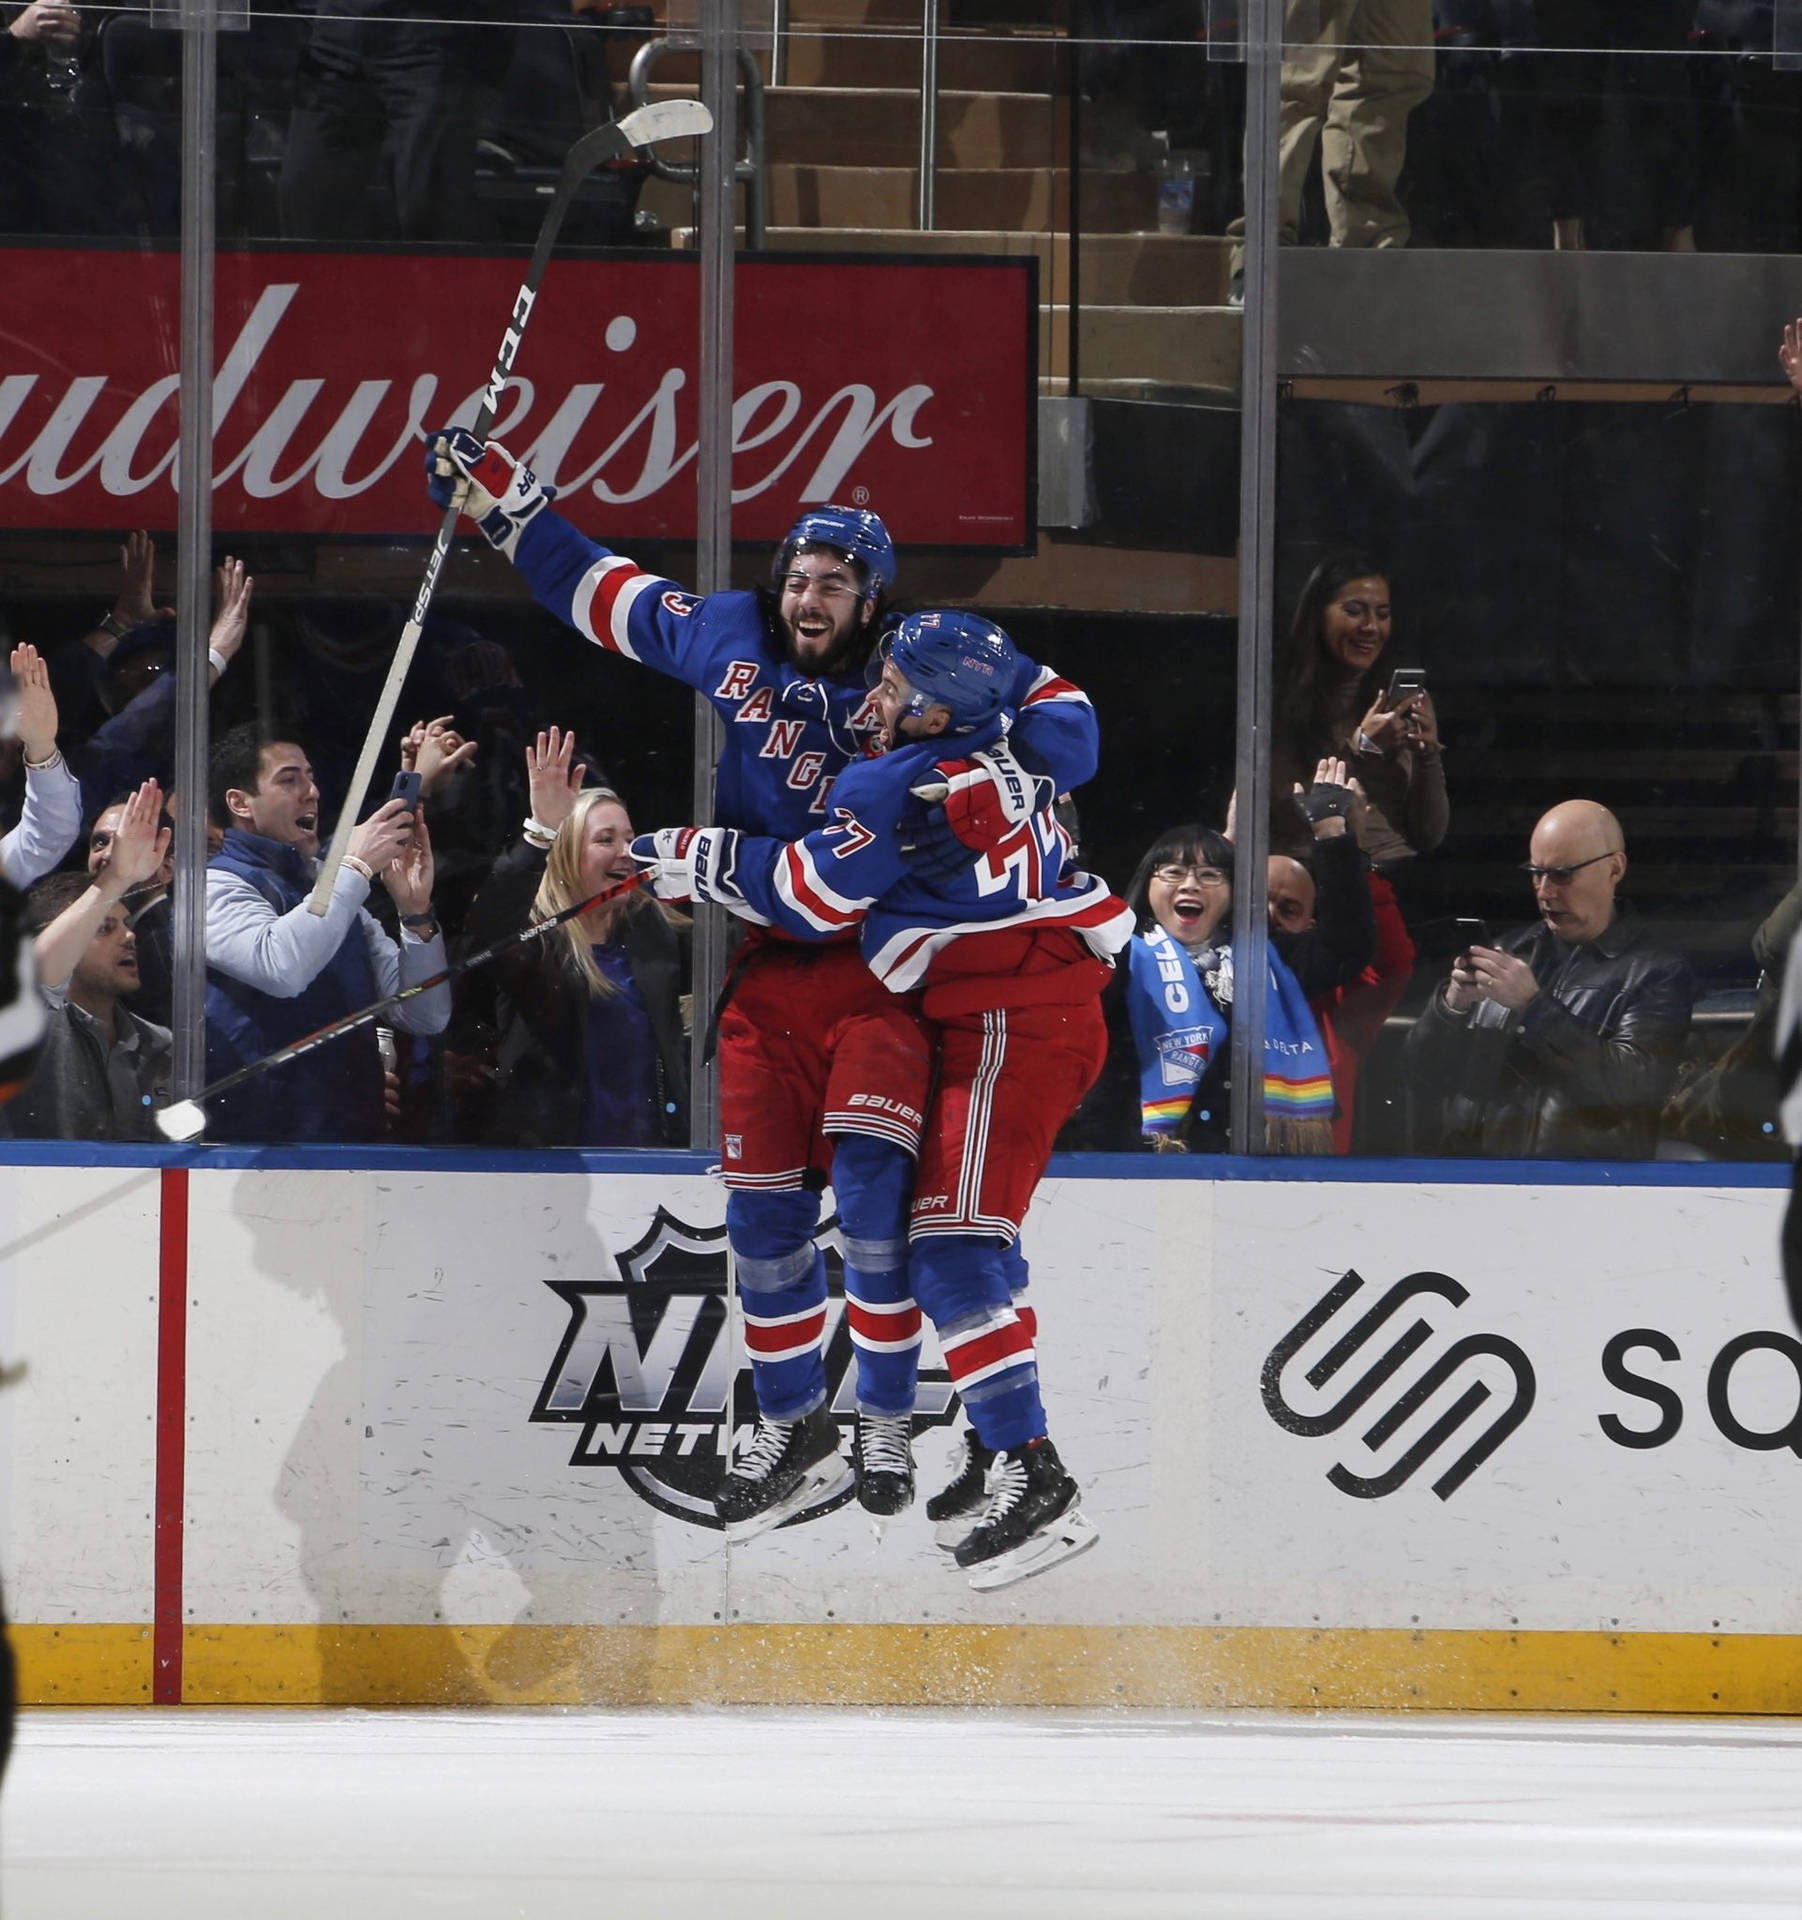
(1563, 1042)
(1166, 1084)
(104, 1069)
(579, 1043)
(1350, 1015)
(1648, 38)
(397, 78)
(1353, 71)
(1331, 701)
(50, 822)
(138, 688)
(276, 971)
(78, 669)
(148, 908)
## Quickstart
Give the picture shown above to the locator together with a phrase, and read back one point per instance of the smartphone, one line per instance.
(1403, 682)
(1472, 933)
(406, 788)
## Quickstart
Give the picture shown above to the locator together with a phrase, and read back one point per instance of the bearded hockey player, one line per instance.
(1010, 950)
(824, 1073)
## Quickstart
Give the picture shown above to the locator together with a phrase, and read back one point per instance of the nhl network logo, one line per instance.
(1368, 1387)
(645, 1369)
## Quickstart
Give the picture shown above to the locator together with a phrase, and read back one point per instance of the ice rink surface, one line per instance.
(743, 1815)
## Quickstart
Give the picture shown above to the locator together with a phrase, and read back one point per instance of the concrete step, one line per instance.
(1013, 199)
(824, 55)
(1170, 346)
(880, 127)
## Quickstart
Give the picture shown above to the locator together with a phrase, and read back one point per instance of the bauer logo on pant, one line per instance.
(1391, 1411)
(644, 1369)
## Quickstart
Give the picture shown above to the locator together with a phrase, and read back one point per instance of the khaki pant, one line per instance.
(1353, 71)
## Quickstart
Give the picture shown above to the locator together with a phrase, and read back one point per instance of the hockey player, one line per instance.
(1012, 950)
(823, 1072)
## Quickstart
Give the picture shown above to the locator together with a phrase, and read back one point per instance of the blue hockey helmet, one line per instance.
(856, 533)
(959, 661)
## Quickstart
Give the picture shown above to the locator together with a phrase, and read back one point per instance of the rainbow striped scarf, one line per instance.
(1180, 1018)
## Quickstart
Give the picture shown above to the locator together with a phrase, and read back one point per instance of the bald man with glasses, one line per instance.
(1562, 1041)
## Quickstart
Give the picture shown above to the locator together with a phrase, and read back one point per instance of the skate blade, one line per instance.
(824, 1480)
(1072, 1533)
(949, 1535)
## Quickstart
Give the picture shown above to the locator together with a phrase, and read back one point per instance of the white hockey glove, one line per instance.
(500, 494)
(966, 807)
(693, 863)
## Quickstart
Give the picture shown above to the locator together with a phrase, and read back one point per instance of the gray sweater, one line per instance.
(83, 1089)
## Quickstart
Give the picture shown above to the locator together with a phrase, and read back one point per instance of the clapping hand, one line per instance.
(432, 749)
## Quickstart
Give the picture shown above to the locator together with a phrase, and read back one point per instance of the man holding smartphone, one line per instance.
(276, 971)
(1560, 1041)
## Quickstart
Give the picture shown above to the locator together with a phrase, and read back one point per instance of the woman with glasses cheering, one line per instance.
(1166, 1084)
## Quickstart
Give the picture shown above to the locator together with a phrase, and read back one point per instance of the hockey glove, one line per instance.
(692, 863)
(500, 494)
(968, 807)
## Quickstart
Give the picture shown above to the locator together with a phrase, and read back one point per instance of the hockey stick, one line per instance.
(186, 1119)
(661, 120)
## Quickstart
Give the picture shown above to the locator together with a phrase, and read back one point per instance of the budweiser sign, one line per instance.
(904, 385)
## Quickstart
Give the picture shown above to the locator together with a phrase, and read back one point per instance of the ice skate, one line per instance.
(882, 1463)
(955, 1509)
(789, 1465)
(1031, 1521)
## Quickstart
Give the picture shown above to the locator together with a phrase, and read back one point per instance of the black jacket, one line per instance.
(1580, 1074)
(527, 1012)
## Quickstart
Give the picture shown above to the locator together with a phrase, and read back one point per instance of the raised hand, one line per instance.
(140, 842)
(136, 605)
(37, 704)
(1789, 355)
(500, 494)
(551, 779)
(231, 608)
(48, 20)
(434, 748)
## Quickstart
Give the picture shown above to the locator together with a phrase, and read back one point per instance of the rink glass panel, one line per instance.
(1579, 469)
(1587, 545)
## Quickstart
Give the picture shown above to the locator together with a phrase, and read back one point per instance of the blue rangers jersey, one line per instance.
(788, 735)
(850, 873)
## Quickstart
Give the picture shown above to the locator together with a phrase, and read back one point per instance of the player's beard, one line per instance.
(846, 653)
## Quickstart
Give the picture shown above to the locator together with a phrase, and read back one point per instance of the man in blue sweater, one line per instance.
(276, 971)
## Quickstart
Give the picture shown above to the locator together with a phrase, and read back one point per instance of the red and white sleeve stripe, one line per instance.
(1053, 686)
(603, 601)
(800, 889)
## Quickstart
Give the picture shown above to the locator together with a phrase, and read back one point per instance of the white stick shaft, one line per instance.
(382, 719)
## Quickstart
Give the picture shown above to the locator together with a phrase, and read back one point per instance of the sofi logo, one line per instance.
(1339, 1392)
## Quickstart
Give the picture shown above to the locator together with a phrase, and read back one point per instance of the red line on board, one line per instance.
(171, 1435)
